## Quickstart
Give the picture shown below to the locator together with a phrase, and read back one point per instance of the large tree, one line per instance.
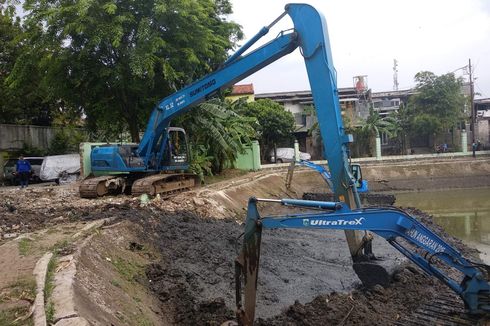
(113, 60)
(9, 32)
(275, 124)
(437, 104)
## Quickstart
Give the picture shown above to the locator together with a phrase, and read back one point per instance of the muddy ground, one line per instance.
(187, 278)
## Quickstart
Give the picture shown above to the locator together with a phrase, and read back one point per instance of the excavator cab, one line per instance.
(361, 184)
(177, 149)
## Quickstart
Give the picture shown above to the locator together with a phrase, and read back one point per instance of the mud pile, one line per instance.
(33, 208)
(300, 282)
(305, 276)
(195, 278)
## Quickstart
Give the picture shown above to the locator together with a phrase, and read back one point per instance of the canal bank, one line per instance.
(428, 174)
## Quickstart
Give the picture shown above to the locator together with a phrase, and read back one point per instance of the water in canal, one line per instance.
(463, 213)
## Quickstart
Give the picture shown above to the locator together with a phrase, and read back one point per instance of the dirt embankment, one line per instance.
(428, 174)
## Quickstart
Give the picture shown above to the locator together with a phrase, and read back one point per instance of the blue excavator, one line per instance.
(159, 164)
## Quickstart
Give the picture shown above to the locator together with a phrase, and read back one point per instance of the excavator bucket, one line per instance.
(247, 267)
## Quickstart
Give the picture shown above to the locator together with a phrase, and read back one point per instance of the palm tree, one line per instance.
(375, 125)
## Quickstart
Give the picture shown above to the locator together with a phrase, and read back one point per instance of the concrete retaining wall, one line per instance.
(13, 137)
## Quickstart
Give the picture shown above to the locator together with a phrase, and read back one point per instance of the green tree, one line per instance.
(437, 104)
(374, 126)
(25, 99)
(275, 124)
(217, 134)
(10, 31)
(113, 60)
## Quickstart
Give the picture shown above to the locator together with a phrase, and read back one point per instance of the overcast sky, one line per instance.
(434, 35)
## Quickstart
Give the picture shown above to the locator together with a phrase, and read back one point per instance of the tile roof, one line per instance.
(242, 89)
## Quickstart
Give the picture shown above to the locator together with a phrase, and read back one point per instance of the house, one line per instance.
(354, 105)
(239, 91)
(482, 121)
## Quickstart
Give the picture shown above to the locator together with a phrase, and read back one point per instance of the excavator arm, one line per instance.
(310, 36)
(361, 184)
(406, 234)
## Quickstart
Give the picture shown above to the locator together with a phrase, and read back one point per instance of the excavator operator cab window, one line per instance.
(357, 174)
(177, 147)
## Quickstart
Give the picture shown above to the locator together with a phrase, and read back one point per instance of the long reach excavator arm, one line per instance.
(428, 251)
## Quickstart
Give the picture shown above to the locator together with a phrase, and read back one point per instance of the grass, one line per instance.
(48, 289)
(12, 317)
(143, 321)
(23, 289)
(25, 246)
(116, 283)
(49, 310)
(128, 270)
(61, 246)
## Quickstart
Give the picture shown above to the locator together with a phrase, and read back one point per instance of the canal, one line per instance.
(463, 213)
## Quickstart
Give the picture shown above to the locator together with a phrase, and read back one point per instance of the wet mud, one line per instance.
(305, 276)
(300, 281)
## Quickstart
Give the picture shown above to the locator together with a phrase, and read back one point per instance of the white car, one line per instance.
(61, 168)
(286, 154)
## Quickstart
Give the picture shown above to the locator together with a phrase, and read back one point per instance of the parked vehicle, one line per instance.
(286, 155)
(9, 170)
(61, 168)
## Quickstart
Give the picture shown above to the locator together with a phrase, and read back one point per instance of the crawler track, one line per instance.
(445, 309)
(164, 184)
(94, 187)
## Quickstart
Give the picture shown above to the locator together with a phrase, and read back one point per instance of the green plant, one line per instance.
(201, 162)
(25, 245)
(48, 289)
(67, 140)
(218, 133)
(29, 150)
(116, 283)
(127, 269)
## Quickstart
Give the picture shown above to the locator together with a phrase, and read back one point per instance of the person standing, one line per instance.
(473, 148)
(23, 168)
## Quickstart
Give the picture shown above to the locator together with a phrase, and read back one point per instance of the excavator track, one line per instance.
(100, 186)
(445, 309)
(164, 184)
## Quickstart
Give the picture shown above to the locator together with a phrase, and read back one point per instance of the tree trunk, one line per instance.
(133, 129)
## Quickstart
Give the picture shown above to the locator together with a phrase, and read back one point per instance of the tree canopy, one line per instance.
(275, 124)
(437, 104)
(113, 60)
(22, 100)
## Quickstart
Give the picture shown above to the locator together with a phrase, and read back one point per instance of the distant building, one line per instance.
(482, 108)
(239, 91)
(354, 103)
(386, 103)
(354, 106)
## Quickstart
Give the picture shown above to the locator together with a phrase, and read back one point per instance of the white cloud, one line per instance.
(366, 36)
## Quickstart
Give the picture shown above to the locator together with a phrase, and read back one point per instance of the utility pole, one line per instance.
(472, 105)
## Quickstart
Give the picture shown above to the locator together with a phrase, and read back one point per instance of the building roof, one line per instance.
(244, 89)
(482, 101)
(305, 97)
(392, 94)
